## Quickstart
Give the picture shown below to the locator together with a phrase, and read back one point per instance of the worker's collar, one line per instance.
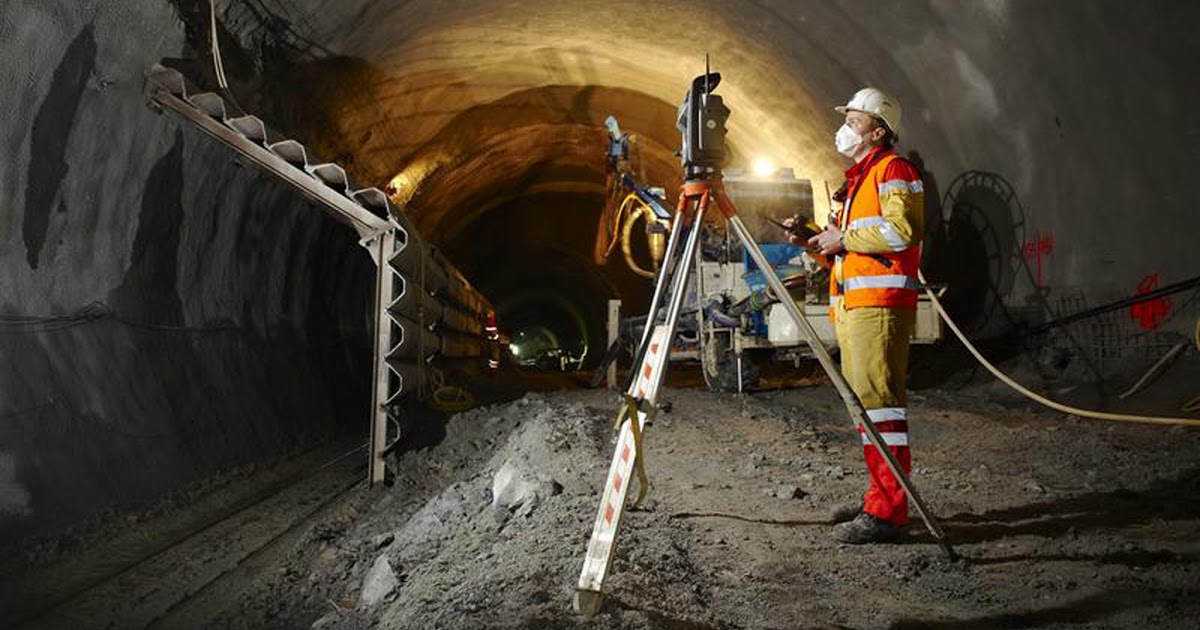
(860, 167)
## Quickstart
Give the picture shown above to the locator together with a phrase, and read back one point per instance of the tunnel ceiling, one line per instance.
(484, 121)
(471, 101)
(463, 109)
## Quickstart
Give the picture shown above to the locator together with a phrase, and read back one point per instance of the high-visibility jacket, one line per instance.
(882, 221)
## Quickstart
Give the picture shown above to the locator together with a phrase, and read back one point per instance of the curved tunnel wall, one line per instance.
(1063, 126)
(166, 313)
(1056, 103)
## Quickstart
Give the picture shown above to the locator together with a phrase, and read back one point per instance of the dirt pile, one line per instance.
(1062, 523)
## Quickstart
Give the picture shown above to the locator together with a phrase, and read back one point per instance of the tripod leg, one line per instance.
(848, 396)
(647, 379)
(667, 274)
(664, 272)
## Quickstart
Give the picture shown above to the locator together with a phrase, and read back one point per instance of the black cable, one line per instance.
(1119, 304)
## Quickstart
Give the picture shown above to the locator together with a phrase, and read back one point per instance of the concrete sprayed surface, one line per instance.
(1061, 524)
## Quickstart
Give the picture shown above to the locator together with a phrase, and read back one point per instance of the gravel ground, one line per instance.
(1061, 523)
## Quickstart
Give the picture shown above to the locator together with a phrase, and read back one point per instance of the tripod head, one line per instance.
(701, 120)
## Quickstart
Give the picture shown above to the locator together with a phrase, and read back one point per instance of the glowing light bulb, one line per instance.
(764, 167)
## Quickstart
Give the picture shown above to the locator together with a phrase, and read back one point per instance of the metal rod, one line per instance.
(338, 206)
(1130, 301)
(614, 332)
(384, 285)
(668, 270)
(684, 266)
(663, 273)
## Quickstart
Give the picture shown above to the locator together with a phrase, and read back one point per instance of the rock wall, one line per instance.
(166, 312)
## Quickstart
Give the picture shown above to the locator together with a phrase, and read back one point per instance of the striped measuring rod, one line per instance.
(612, 503)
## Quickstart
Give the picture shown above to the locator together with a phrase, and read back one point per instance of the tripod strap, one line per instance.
(630, 411)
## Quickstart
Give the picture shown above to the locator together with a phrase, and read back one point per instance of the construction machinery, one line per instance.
(732, 322)
(740, 323)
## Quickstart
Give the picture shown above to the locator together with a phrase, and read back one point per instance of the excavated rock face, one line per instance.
(227, 318)
(166, 312)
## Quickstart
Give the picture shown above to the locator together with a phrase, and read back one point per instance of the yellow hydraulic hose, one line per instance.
(627, 245)
(628, 212)
(1083, 413)
(629, 200)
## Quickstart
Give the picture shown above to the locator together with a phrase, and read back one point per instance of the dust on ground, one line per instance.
(1061, 523)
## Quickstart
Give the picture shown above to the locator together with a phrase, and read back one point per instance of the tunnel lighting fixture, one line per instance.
(397, 184)
(764, 167)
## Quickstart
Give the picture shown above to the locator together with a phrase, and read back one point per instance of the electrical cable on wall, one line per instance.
(1083, 413)
(218, 66)
(218, 63)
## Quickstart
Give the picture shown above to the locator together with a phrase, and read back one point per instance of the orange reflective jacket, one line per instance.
(884, 278)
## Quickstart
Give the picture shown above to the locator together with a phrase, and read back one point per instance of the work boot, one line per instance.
(865, 529)
(845, 512)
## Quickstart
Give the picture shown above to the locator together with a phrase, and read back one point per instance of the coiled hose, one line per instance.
(447, 398)
(627, 214)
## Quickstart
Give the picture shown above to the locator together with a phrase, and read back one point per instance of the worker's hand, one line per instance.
(789, 225)
(828, 242)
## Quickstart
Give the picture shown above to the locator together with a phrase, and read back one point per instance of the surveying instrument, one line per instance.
(701, 120)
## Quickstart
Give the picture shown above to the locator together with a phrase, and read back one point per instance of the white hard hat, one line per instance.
(876, 103)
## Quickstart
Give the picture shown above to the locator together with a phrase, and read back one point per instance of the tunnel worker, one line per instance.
(873, 241)
(492, 332)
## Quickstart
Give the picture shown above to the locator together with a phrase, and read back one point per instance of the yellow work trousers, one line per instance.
(874, 343)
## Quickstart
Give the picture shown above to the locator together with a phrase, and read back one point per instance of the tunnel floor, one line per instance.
(1061, 523)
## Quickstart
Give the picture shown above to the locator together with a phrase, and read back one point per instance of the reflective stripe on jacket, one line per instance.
(882, 224)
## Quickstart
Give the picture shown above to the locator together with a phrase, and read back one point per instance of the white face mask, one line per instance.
(847, 141)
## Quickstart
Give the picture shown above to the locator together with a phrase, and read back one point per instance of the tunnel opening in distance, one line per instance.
(517, 193)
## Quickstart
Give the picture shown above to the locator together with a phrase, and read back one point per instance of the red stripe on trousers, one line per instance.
(885, 498)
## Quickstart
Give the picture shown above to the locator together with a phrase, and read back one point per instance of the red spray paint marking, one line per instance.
(1042, 244)
(1151, 313)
